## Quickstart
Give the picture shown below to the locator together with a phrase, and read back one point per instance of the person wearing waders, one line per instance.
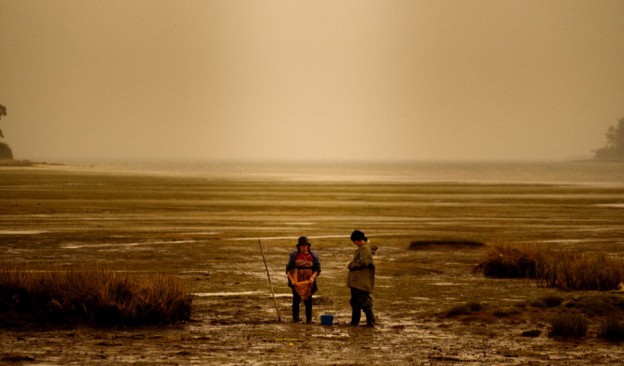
(302, 269)
(361, 279)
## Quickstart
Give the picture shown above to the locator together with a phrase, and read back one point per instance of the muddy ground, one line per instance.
(207, 230)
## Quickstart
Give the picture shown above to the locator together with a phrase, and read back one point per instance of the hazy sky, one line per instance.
(363, 80)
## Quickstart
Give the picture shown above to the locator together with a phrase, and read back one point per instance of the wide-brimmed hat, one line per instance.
(358, 235)
(303, 240)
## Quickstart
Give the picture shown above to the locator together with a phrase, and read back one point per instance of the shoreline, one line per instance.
(467, 173)
(25, 163)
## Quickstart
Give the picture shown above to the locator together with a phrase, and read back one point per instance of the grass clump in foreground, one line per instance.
(445, 243)
(510, 262)
(91, 295)
(547, 301)
(564, 270)
(568, 326)
(581, 271)
(612, 329)
(468, 308)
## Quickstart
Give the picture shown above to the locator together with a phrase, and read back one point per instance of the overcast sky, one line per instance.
(310, 80)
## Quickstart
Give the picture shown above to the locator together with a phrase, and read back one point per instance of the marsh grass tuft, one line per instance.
(445, 243)
(568, 326)
(612, 329)
(465, 309)
(504, 261)
(564, 270)
(596, 304)
(91, 295)
(507, 311)
(548, 301)
(581, 271)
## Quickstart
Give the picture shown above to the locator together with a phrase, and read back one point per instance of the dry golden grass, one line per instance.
(91, 295)
(568, 326)
(612, 329)
(468, 308)
(581, 271)
(565, 270)
(506, 261)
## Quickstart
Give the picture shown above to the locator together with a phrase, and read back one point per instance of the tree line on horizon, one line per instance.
(5, 150)
(614, 150)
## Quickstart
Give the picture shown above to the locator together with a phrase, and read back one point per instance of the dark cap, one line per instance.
(358, 235)
(303, 240)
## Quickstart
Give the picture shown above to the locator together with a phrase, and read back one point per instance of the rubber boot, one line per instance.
(295, 313)
(355, 316)
(308, 312)
(370, 317)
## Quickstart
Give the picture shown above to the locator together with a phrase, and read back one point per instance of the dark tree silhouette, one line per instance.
(614, 151)
(5, 150)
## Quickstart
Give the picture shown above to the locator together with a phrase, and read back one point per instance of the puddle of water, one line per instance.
(226, 294)
(109, 245)
(22, 232)
(331, 336)
(78, 246)
(237, 293)
(568, 241)
(315, 236)
(421, 298)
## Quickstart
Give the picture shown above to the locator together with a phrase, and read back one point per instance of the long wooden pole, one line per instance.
(279, 318)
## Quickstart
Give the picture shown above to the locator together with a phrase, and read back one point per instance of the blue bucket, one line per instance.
(327, 319)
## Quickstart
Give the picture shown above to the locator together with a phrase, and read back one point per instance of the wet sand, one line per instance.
(207, 231)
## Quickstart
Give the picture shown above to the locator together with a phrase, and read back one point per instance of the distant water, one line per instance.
(584, 173)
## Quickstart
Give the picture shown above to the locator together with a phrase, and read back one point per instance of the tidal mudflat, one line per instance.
(207, 232)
